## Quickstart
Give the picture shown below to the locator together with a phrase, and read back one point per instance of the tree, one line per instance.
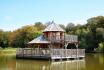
(62, 26)
(21, 37)
(70, 28)
(100, 34)
(95, 25)
(4, 39)
(1, 38)
(39, 26)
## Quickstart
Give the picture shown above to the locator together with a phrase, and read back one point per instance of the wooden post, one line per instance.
(50, 51)
(23, 52)
(38, 49)
(76, 51)
(50, 47)
(31, 52)
(66, 49)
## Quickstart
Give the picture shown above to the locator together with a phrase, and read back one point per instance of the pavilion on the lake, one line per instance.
(54, 43)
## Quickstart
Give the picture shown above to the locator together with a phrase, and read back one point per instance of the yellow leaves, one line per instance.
(100, 30)
(101, 46)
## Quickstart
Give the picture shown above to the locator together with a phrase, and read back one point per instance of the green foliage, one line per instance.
(1, 38)
(91, 35)
(4, 39)
(70, 28)
(101, 47)
(22, 36)
(62, 26)
(39, 26)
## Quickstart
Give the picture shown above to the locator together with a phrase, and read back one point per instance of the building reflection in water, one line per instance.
(48, 65)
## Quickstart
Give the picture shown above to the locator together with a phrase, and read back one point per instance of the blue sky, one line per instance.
(17, 13)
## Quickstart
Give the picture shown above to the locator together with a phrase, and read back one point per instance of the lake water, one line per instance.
(91, 62)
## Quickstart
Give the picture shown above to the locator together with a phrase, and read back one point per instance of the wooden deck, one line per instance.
(49, 54)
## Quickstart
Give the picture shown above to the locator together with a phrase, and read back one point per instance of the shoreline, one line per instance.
(8, 51)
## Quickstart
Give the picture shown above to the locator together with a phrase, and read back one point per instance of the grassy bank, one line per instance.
(8, 51)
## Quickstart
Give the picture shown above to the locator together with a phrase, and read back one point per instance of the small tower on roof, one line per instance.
(54, 32)
(53, 27)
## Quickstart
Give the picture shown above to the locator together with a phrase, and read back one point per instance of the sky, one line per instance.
(17, 13)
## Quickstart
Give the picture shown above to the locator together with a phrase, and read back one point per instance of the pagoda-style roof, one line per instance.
(53, 27)
(39, 40)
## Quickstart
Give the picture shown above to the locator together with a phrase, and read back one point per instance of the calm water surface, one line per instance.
(91, 62)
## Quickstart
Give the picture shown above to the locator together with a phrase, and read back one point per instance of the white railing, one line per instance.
(53, 53)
